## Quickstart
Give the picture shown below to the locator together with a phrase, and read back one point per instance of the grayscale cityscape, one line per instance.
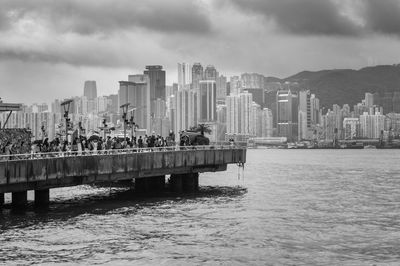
(191, 132)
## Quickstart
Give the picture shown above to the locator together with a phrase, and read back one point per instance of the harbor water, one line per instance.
(288, 207)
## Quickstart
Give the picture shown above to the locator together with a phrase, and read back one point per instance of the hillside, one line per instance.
(342, 86)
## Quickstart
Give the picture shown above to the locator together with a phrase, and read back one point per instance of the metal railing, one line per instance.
(45, 155)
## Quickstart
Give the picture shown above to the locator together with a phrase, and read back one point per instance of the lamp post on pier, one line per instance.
(66, 104)
(124, 108)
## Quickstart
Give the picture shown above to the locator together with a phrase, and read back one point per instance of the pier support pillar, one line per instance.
(42, 197)
(176, 183)
(156, 183)
(150, 184)
(190, 182)
(19, 199)
(1, 199)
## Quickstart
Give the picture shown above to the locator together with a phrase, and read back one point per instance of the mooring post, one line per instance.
(42, 197)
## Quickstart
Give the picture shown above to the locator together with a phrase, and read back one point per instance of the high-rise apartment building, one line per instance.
(372, 125)
(197, 75)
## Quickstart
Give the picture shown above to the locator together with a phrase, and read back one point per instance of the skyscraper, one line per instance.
(184, 75)
(90, 90)
(197, 75)
(267, 123)
(210, 73)
(287, 114)
(304, 119)
(207, 100)
(156, 76)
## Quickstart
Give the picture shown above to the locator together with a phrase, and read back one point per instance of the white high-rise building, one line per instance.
(184, 75)
(372, 125)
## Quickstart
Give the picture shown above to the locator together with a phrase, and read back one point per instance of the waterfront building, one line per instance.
(351, 128)
(372, 125)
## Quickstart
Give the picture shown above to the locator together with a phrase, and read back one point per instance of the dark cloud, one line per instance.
(382, 16)
(327, 17)
(320, 17)
(106, 16)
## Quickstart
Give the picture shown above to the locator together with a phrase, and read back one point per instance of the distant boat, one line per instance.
(369, 147)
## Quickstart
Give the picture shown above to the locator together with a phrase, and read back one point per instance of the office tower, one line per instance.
(267, 126)
(315, 110)
(287, 114)
(101, 104)
(90, 90)
(184, 75)
(210, 73)
(207, 100)
(221, 88)
(304, 119)
(369, 99)
(156, 76)
(197, 75)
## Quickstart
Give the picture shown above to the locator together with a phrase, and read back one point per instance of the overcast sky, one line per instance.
(49, 48)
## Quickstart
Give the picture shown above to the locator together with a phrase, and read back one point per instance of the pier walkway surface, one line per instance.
(147, 167)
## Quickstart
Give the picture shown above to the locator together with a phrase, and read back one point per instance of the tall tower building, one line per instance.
(287, 114)
(197, 75)
(210, 73)
(156, 76)
(90, 90)
(304, 115)
(369, 99)
(184, 75)
(207, 100)
(267, 123)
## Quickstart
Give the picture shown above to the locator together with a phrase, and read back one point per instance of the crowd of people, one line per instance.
(19, 143)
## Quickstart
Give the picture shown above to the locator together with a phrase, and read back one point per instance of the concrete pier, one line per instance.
(42, 197)
(19, 199)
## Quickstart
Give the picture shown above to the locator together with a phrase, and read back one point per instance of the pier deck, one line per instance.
(40, 172)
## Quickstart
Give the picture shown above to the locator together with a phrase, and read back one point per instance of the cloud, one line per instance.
(106, 16)
(302, 16)
(328, 17)
(382, 16)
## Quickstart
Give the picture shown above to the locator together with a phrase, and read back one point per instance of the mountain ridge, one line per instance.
(341, 86)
